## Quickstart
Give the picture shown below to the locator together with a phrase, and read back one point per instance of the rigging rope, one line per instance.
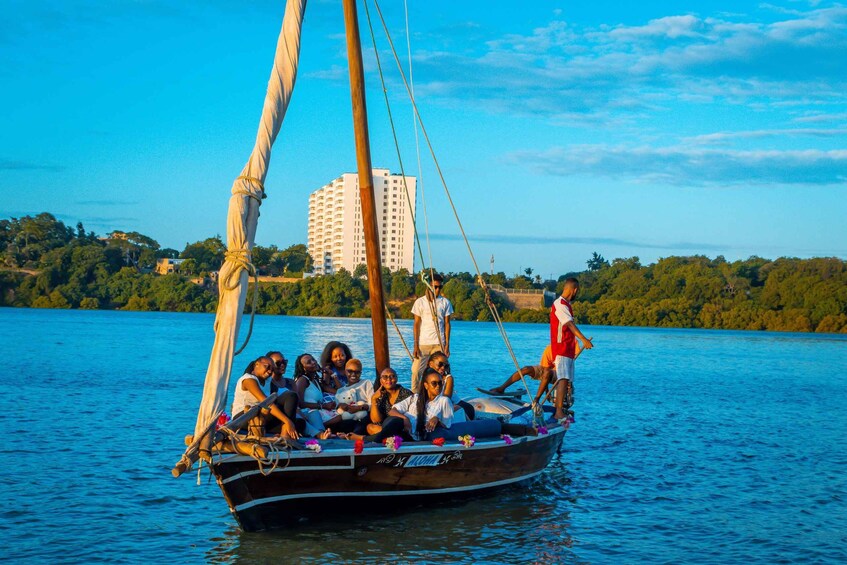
(432, 307)
(399, 333)
(491, 306)
(417, 138)
(274, 450)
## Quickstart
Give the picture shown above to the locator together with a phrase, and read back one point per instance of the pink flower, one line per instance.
(393, 443)
(467, 440)
(542, 430)
(507, 438)
(222, 420)
(314, 445)
(359, 446)
(439, 441)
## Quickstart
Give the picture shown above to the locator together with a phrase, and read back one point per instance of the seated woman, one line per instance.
(352, 401)
(278, 380)
(417, 416)
(248, 392)
(389, 393)
(333, 362)
(439, 363)
(307, 384)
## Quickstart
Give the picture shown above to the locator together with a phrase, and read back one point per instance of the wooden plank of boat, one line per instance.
(192, 452)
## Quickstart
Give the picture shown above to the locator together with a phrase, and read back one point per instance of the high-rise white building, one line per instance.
(336, 235)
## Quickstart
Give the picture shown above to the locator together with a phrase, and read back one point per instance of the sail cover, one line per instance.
(243, 215)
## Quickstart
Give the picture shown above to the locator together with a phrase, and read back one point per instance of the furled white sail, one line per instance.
(243, 215)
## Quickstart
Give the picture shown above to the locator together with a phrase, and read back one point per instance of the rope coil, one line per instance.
(241, 259)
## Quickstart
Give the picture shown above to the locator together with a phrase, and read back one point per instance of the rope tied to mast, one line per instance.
(241, 259)
(250, 193)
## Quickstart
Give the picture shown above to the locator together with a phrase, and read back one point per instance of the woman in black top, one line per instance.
(387, 395)
(333, 362)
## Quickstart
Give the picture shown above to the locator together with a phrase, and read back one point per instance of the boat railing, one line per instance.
(500, 288)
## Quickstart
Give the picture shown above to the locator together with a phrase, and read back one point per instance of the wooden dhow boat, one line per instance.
(270, 483)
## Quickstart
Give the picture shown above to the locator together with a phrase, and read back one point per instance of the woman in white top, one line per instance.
(419, 415)
(248, 392)
(316, 408)
(438, 362)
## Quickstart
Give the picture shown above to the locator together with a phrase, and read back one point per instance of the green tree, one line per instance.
(361, 271)
(596, 262)
(208, 255)
(296, 259)
(263, 258)
(138, 249)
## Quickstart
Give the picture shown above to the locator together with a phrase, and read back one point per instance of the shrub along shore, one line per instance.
(46, 264)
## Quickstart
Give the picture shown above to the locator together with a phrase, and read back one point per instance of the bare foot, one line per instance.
(326, 434)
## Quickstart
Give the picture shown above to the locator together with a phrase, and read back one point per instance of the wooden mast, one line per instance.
(366, 190)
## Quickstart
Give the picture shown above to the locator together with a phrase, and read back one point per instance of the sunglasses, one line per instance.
(352, 372)
(437, 286)
(282, 363)
(436, 384)
(388, 377)
(440, 365)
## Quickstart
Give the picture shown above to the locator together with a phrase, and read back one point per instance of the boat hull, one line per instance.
(417, 473)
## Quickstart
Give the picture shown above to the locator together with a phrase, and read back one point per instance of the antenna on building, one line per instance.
(492, 264)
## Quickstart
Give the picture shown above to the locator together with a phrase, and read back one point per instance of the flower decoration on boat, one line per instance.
(439, 441)
(467, 440)
(359, 446)
(314, 445)
(393, 443)
(222, 420)
(542, 430)
(507, 438)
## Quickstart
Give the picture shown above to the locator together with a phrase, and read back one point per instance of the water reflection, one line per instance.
(528, 523)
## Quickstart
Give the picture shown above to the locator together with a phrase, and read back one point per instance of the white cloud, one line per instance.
(687, 166)
(561, 69)
(816, 118)
(753, 134)
(671, 27)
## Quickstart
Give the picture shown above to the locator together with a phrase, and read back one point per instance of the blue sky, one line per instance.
(653, 129)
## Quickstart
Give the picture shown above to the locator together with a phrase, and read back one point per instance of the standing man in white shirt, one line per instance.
(432, 326)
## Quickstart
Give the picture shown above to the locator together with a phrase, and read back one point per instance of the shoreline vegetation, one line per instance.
(46, 264)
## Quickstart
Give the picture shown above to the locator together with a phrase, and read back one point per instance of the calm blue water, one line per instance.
(721, 447)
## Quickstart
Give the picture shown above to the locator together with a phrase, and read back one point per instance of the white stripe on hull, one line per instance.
(272, 499)
(290, 469)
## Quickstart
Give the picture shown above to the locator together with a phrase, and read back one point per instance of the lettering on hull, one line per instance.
(423, 460)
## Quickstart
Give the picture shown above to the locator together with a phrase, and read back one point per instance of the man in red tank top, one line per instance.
(563, 336)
